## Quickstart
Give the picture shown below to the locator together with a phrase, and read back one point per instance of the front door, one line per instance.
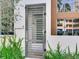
(35, 30)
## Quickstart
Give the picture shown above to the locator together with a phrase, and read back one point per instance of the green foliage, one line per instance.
(76, 50)
(11, 48)
(67, 7)
(59, 54)
(59, 4)
(7, 15)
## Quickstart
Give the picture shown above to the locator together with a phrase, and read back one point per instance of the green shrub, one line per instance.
(11, 48)
(61, 54)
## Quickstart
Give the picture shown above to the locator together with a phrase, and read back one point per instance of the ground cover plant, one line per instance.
(61, 54)
(10, 48)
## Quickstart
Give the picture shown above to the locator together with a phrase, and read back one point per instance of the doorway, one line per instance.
(35, 30)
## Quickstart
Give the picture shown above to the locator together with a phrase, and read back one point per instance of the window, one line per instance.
(70, 20)
(66, 10)
(60, 22)
(70, 25)
(7, 18)
(67, 27)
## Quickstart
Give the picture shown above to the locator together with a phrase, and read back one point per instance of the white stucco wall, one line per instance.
(19, 25)
(28, 2)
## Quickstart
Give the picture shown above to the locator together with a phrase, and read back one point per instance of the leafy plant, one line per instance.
(61, 54)
(11, 48)
(67, 7)
(7, 15)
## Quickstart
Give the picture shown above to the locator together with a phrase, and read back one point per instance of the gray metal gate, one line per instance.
(35, 30)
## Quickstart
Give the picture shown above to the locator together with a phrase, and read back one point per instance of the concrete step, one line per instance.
(32, 58)
(40, 57)
(35, 54)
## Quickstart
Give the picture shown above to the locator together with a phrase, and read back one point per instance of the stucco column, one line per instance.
(0, 17)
